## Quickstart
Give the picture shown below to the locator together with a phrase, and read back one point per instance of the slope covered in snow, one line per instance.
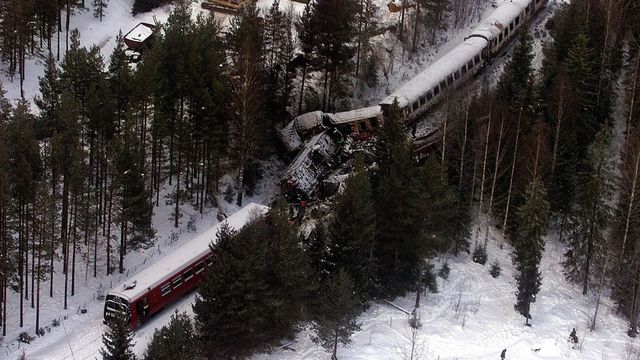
(472, 318)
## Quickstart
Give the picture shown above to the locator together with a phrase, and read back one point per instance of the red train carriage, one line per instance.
(173, 276)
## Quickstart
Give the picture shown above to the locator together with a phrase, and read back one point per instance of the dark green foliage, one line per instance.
(318, 253)
(532, 222)
(515, 86)
(391, 137)
(587, 244)
(336, 314)
(117, 341)
(254, 294)
(352, 229)
(495, 269)
(177, 340)
(479, 254)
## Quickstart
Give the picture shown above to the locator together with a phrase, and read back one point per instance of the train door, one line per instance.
(142, 309)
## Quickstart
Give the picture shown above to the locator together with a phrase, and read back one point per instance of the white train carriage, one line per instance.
(430, 86)
(505, 21)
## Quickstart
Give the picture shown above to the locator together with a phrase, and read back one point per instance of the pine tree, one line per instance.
(590, 217)
(515, 85)
(336, 314)
(532, 222)
(177, 340)
(352, 229)
(318, 253)
(253, 295)
(98, 8)
(399, 234)
(392, 136)
(117, 341)
(247, 131)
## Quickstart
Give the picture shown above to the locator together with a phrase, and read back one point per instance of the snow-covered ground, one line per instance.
(471, 317)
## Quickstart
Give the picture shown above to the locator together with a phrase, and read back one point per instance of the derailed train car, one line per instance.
(414, 98)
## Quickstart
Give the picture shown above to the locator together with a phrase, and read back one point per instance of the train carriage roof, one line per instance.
(500, 18)
(163, 269)
(355, 115)
(437, 72)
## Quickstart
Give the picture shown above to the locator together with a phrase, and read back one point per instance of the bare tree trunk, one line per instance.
(497, 163)
(513, 169)
(484, 159)
(556, 141)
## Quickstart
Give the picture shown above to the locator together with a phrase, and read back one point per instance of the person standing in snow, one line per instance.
(503, 354)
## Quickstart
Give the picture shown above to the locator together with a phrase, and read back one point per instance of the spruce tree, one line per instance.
(256, 290)
(515, 85)
(391, 137)
(117, 341)
(336, 315)
(532, 221)
(352, 229)
(591, 214)
(177, 340)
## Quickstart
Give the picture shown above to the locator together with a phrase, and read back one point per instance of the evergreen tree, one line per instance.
(336, 314)
(515, 84)
(532, 221)
(117, 341)
(177, 340)
(253, 295)
(247, 130)
(391, 137)
(352, 229)
(318, 253)
(98, 8)
(399, 233)
(590, 216)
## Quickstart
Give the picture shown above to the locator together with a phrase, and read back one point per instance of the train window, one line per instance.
(470, 64)
(443, 85)
(177, 281)
(210, 261)
(429, 95)
(422, 100)
(199, 267)
(415, 107)
(463, 70)
(477, 59)
(517, 19)
(188, 274)
(450, 79)
(436, 91)
(457, 75)
(500, 38)
(165, 289)
(511, 26)
(506, 33)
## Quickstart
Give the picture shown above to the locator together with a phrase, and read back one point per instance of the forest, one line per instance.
(554, 150)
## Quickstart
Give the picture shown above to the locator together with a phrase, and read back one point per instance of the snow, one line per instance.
(472, 318)
(163, 269)
(140, 33)
(308, 122)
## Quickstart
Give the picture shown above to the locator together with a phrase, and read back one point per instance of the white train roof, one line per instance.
(355, 115)
(435, 73)
(162, 270)
(500, 18)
